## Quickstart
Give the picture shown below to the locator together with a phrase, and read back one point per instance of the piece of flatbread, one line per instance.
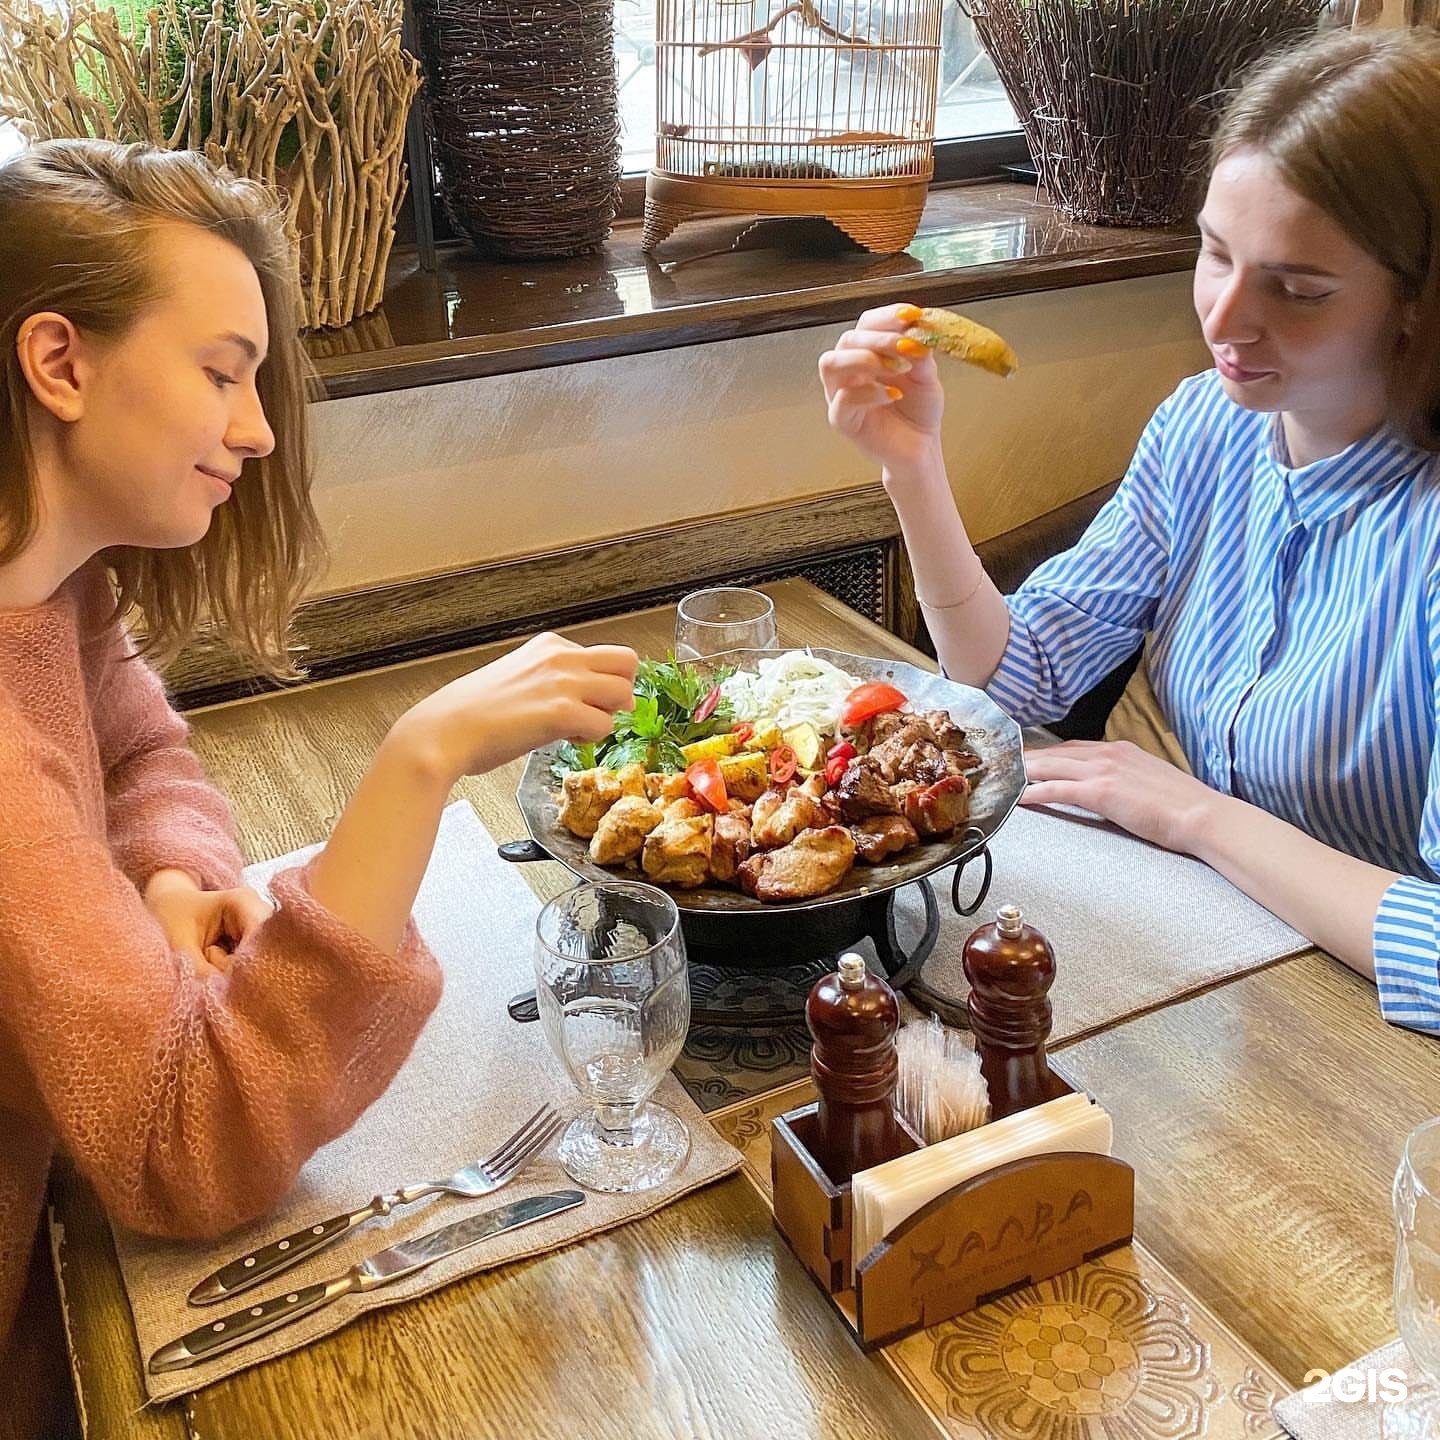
(953, 334)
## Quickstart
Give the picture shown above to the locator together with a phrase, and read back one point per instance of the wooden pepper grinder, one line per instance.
(1010, 967)
(853, 1017)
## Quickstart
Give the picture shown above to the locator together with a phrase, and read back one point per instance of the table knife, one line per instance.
(383, 1268)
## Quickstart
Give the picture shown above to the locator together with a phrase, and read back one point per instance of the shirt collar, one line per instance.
(1326, 488)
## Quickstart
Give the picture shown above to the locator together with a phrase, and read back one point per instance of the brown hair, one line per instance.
(1352, 121)
(78, 220)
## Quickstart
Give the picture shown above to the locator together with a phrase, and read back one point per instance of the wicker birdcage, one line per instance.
(795, 107)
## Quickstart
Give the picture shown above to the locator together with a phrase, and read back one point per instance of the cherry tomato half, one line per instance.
(783, 764)
(874, 697)
(843, 751)
(707, 785)
(835, 769)
(706, 708)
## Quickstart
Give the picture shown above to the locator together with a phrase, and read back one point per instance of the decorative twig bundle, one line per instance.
(1118, 97)
(306, 96)
(524, 107)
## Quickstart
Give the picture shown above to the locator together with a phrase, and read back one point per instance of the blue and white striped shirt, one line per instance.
(1294, 624)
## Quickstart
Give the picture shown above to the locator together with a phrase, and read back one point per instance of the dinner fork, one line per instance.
(480, 1177)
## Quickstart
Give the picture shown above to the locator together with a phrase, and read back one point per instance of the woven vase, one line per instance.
(1117, 99)
(524, 112)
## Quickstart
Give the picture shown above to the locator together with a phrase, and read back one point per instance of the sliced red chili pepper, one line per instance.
(744, 731)
(707, 785)
(706, 708)
(874, 697)
(835, 769)
(842, 751)
(783, 764)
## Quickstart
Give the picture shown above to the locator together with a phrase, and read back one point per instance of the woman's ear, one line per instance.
(48, 346)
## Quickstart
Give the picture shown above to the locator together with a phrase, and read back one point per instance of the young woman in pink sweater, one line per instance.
(186, 1045)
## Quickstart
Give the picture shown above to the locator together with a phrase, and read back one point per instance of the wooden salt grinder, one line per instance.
(1010, 967)
(853, 1017)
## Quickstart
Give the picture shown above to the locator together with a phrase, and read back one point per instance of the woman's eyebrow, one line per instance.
(1278, 267)
(234, 337)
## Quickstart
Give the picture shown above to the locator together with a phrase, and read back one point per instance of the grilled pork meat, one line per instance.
(813, 863)
(780, 814)
(731, 846)
(937, 809)
(863, 791)
(880, 836)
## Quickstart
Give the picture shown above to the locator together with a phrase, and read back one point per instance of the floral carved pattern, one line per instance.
(1091, 1354)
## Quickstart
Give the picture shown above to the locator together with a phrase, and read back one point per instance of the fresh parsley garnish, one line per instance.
(667, 694)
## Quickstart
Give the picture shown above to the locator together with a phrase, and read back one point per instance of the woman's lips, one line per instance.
(1237, 373)
(222, 482)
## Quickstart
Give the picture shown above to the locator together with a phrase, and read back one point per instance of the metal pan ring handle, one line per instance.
(983, 853)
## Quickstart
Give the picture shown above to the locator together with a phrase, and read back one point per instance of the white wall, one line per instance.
(419, 481)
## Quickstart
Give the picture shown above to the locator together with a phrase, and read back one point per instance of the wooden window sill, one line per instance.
(718, 279)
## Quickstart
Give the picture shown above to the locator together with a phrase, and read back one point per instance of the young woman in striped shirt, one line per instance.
(1274, 544)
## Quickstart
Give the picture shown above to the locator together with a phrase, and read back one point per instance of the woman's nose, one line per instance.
(250, 433)
(1231, 318)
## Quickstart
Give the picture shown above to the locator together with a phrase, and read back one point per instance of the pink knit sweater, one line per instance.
(189, 1104)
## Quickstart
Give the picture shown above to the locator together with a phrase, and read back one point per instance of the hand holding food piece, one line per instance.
(953, 334)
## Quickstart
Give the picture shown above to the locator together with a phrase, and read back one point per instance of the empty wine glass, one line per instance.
(1417, 1282)
(614, 999)
(727, 617)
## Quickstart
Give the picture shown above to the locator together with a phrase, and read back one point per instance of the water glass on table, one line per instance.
(614, 998)
(726, 617)
(1416, 1197)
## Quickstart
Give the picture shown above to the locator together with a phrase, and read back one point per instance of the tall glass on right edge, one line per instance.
(1417, 1284)
(614, 997)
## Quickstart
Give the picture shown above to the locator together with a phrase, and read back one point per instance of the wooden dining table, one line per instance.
(1264, 1118)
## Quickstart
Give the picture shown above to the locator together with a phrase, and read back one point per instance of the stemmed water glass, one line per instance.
(1417, 1283)
(614, 1000)
(726, 617)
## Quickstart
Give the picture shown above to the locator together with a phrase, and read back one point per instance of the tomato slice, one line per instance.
(874, 697)
(707, 785)
(783, 764)
(706, 708)
(835, 769)
(744, 731)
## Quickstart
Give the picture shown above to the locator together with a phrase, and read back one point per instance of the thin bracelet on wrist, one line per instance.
(965, 599)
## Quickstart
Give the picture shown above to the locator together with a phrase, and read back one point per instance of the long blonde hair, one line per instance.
(1352, 122)
(78, 220)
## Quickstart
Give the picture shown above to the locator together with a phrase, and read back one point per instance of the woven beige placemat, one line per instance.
(1382, 1396)
(472, 1078)
(1133, 926)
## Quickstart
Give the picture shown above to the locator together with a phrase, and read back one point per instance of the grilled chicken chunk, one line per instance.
(660, 786)
(677, 852)
(863, 791)
(813, 863)
(683, 809)
(588, 795)
(731, 847)
(632, 780)
(622, 830)
(781, 814)
(880, 836)
(937, 809)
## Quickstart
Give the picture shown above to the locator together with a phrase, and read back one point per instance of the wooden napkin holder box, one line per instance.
(1011, 1226)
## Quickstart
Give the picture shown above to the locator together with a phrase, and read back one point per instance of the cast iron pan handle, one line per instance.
(521, 852)
(983, 853)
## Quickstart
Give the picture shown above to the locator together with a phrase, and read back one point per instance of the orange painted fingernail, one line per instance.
(894, 393)
(909, 313)
(906, 346)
